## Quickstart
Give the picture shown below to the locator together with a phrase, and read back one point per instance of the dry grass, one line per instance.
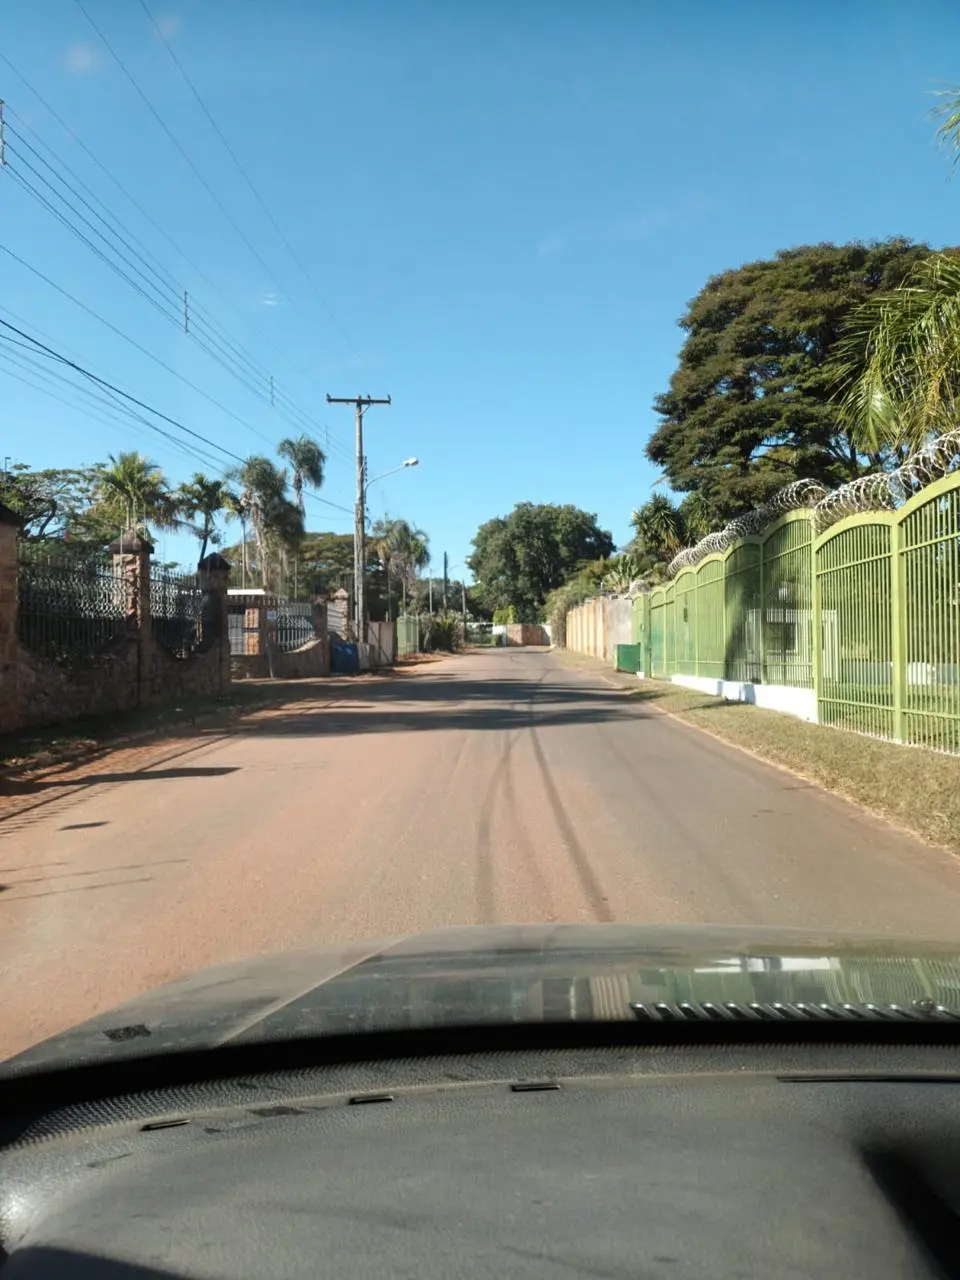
(918, 789)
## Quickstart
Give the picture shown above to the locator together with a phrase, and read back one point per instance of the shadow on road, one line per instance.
(28, 786)
(458, 703)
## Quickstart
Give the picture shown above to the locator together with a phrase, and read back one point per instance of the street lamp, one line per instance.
(362, 509)
(407, 462)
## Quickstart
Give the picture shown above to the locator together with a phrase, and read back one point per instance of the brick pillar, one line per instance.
(10, 524)
(213, 573)
(131, 557)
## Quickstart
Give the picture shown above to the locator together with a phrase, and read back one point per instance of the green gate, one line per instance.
(408, 636)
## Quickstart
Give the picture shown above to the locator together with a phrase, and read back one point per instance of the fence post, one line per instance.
(898, 630)
(816, 624)
(213, 573)
(10, 524)
(131, 558)
(762, 628)
(646, 650)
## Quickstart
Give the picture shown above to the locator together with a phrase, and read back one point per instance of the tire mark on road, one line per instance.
(690, 840)
(599, 903)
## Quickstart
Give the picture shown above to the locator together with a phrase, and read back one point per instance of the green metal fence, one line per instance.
(889, 594)
(744, 614)
(408, 636)
(867, 614)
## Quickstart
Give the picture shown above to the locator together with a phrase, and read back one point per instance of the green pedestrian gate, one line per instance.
(408, 636)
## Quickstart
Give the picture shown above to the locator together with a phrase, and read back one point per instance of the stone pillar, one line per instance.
(131, 557)
(10, 524)
(213, 573)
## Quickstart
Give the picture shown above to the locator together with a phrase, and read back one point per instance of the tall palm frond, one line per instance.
(948, 112)
(658, 525)
(307, 461)
(132, 490)
(897, 366)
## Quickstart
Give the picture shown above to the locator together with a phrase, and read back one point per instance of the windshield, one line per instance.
(475, 466)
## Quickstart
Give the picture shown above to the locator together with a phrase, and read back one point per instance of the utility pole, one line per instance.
(3, 144)
(444, 582)
(463, 601)
(360, 404)
(431, 593)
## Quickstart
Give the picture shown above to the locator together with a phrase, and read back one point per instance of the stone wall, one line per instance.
(526, 633)
(132, 671)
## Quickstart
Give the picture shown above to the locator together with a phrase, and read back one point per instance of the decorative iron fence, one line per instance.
(73, 604)
(292, 624)
(867, 614)
(176, 604)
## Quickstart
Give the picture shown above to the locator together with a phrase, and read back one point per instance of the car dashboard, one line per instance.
(632, 1160)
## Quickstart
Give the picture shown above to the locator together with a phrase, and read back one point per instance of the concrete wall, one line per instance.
(133, 671)
(382, 641)
(801, 703)
(597, 626)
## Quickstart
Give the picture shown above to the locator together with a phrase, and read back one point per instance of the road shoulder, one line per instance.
(915, 789)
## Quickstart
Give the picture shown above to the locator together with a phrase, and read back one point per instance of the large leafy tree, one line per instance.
(53, 503)
(750, 406)
(520, 558)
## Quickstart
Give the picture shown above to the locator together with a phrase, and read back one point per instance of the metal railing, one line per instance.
(72, 604)
(292, 624)
(175, 611)
(867, 614)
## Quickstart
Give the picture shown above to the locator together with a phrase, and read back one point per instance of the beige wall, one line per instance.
(597, 626)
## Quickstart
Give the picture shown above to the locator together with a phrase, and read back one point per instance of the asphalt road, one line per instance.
(493, 787)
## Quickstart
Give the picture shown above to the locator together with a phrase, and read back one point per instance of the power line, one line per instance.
(102, 382)
(104, 416)
(31, 343)
(126, 337)
(246, 177)
(235, 365)
(117, 412)
(281, 351)
(183, 152)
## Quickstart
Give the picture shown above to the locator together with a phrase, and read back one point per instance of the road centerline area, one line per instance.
(493, 787)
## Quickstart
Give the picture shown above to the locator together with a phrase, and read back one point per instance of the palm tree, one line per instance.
(897, 367)
(697, 516)
(658, 526)
(204, 497)
(277, 522)
(133, 493)
(307, 461)
(402, 550)
(237, 508)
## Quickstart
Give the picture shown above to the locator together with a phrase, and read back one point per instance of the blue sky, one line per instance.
(504, 207)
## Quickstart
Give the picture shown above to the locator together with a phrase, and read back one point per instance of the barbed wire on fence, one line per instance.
(794, 496)
(887, 490)
(879, 491)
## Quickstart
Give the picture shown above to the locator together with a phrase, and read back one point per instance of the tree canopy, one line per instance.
(520, 558)
(751, 405)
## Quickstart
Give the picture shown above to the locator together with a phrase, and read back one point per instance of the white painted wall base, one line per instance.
(775, 697)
